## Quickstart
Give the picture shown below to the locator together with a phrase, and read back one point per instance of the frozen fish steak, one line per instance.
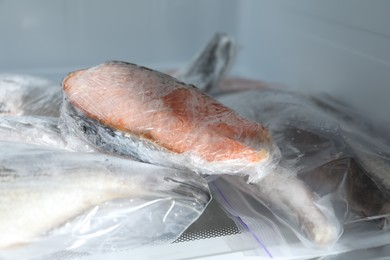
(128, 109)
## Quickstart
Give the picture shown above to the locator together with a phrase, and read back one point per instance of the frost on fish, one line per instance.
(29, 95)
(89, 201)
(130, 110)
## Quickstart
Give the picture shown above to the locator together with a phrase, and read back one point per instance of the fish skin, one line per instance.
(210, 65)
(230, 85)
(28, 95)
(43, 189)
(352, 183)
(173, 116)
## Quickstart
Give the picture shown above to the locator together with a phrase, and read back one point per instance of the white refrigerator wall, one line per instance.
(42, 34)
(337, 46)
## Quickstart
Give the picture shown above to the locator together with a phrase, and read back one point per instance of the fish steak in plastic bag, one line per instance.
(130, 110)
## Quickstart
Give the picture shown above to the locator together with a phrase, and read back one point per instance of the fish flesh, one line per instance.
(210, 65)
(29, 95)
(126, 109)
(43, 190)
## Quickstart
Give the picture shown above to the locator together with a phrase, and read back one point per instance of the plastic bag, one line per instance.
(125, 109)
(312, 131)
(335, 152)
(273, 238)
(29, 95)
(38, 130)
(54, 200)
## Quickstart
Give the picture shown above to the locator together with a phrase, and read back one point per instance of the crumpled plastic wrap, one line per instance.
(29, 95)
(40, 130)
(54, 200)
(336, 153)
(129, 110)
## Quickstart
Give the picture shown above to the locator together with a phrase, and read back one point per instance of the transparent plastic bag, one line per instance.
(29, 95)
(40, 130)
(53, 200)
(273, 238)
(333, 151)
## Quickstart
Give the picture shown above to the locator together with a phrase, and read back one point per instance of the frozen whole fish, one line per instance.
(210, 65)
(78, 197)
(127, 109)
(29, 95)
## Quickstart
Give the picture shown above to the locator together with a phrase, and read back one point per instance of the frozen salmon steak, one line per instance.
(126, 109)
